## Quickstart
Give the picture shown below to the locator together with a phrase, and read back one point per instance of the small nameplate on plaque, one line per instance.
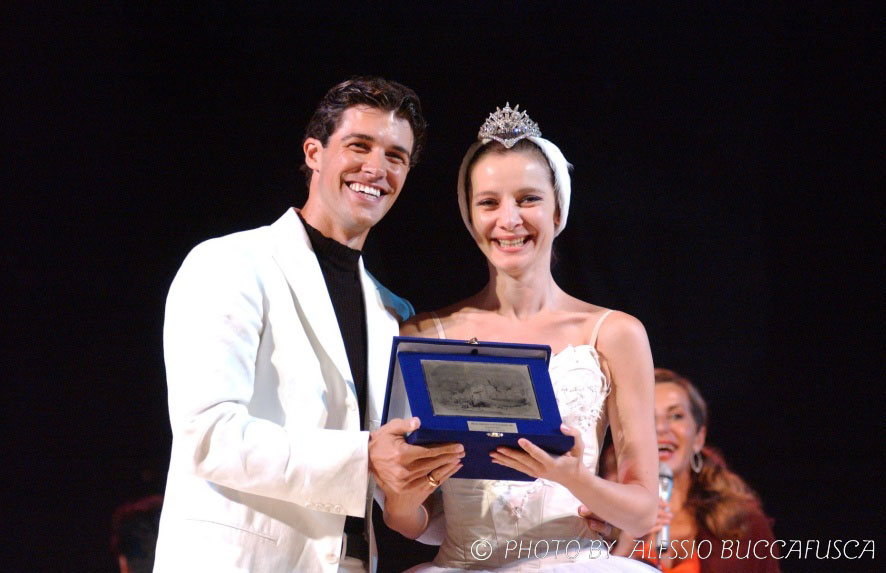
(503, 427)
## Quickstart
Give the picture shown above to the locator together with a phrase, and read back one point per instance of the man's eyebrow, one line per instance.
(366, 137)
(359, 136)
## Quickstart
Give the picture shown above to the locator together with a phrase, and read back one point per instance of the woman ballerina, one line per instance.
(513, 192)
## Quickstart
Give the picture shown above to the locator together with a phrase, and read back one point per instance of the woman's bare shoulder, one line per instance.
(615, 324)
(588, 314)
(420, 325)
(423, 324)
(620, 328)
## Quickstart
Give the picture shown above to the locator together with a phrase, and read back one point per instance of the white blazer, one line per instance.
(267, 452)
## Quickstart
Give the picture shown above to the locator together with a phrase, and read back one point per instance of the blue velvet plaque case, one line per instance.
(479, 394)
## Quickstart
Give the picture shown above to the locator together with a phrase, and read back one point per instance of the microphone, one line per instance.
(665, 486)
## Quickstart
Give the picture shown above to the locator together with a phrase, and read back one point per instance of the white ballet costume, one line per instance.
(500, 525)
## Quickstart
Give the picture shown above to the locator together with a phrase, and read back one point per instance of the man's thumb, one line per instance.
(401, 426)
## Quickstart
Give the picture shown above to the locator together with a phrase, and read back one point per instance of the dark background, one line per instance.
(723, 193)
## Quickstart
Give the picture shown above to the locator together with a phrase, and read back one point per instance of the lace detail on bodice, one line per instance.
(502, 511)
(580, 388)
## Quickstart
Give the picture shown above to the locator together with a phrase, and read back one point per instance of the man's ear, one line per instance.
(313, 152)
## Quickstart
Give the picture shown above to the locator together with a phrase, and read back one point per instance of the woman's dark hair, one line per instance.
(371, 91)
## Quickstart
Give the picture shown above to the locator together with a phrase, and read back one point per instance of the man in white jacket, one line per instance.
(277, 343)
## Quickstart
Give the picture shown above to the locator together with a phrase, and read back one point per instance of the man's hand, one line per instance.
(400, 468)
(594, 522)
(625, 543)
(409, 474)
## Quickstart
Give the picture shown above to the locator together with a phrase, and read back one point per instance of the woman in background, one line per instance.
(710, 508)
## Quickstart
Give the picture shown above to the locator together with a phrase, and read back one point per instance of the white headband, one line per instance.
(558, 163)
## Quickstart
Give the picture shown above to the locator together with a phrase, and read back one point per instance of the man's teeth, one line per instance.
(511, 242)
(366, 189)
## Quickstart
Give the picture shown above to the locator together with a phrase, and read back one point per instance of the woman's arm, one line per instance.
(625, 348)
(631, 503)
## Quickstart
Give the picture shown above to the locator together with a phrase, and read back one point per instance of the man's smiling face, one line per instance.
(358, 174)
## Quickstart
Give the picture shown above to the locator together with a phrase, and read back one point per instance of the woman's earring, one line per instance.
(696, 462)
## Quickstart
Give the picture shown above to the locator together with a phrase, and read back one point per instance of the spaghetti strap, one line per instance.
(596, 330)
(440, 332)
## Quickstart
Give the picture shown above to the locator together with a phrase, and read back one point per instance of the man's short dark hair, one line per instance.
(371, 91)
(134, 528)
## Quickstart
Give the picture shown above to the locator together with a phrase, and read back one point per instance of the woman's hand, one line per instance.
(663, 517)
(535, 462)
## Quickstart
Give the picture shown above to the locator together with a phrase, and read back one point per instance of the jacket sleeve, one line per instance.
(216, 314)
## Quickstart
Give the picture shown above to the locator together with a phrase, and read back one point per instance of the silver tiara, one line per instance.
(508, 126)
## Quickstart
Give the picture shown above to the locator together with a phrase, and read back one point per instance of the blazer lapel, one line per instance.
(381, 328)
(294, 254)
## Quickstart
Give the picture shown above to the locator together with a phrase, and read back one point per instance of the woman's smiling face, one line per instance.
(513, 209)
(679, 437)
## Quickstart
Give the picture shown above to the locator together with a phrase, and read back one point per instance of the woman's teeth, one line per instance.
(512, 242)
(365, 189)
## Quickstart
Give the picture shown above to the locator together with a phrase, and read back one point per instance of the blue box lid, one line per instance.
(480, 394)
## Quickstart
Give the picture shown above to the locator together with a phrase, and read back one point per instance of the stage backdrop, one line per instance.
(723, 158)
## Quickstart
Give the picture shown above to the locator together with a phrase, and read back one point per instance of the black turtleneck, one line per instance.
(340, 266)
(341, 271)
